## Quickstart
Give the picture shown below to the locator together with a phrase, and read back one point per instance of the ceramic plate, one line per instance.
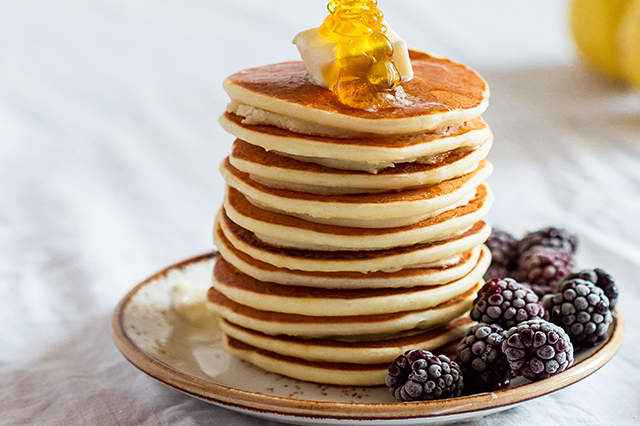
(190, 358)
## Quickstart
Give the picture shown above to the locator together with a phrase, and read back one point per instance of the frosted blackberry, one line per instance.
(544, 266)
(422, 376)
(506, 302)
(484, 366)
(582, 310)
(601, 279)
(503, 249)
(548, 237)
(537, 349)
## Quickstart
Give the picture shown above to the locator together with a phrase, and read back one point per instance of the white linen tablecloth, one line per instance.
(109, 153)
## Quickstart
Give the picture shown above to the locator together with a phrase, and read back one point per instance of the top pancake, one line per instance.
(441, 93)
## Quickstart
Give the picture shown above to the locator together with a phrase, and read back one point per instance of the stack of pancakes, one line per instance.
(349, 236)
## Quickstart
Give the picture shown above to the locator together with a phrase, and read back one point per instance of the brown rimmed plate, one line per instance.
(189, 357)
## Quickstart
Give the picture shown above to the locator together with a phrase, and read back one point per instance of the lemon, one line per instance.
(593, 25)
(629, 44)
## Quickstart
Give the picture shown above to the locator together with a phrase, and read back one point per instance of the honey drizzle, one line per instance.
(366, 77)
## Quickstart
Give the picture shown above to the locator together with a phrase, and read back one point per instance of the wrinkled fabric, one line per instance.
(109, 150)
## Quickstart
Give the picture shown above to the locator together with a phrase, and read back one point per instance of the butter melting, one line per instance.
(190, 302)
(365, 76)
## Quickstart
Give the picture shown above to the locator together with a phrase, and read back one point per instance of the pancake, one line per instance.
(265, 296)
(416, 255)
(274, 323)
(289, 231)
(441, 93)
(369, 154)
(372, 350)
(342, 374)
(279, 171)
(324, 373)
(439, 272)
(386, 209)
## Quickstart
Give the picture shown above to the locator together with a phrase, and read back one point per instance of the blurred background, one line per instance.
(109, 150)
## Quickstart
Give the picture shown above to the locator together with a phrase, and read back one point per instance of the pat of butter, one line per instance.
(190, 302)
(318, 54)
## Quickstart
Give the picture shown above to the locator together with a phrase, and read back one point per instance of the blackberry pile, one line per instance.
(524, 329)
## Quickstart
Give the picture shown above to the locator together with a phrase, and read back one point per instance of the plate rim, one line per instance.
(290, 407)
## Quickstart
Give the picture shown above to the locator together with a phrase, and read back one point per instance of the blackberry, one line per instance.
(484, 366)
(537, 349)
(582, 310)
(503, 249)
(601, 279)
(548, 237)
(506, 302)
(419, 375)
(544, 266)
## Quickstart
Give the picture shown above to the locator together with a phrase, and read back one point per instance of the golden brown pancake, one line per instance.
(441, 93)
(415, 255)
(368, 350)
(358, 153)
(325, 373)
(290, 231)
(277, 323)
(363, 210)
(280, 171)
(256, 294)
(443, 271)
(334, 373)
